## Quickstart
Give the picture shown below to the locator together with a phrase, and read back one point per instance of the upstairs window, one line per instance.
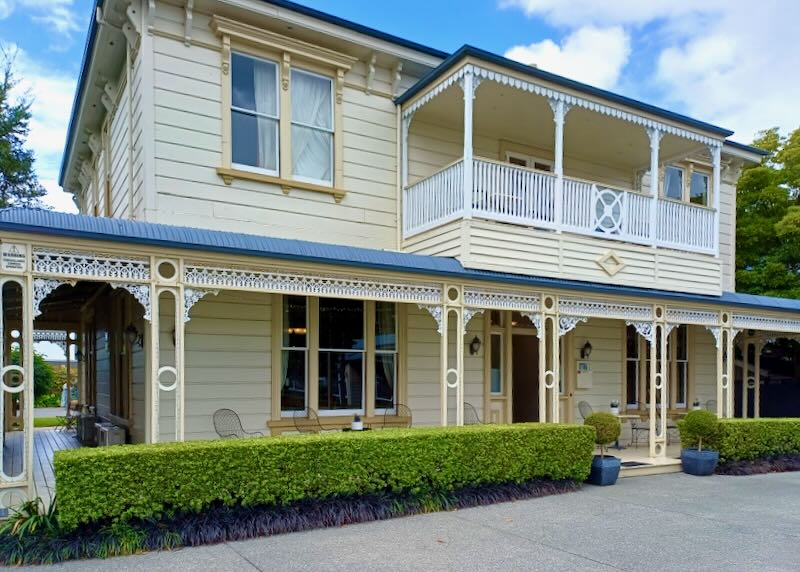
(698, 189)
(673, 183)
(312, 127)
(686, 185)
(254, 113)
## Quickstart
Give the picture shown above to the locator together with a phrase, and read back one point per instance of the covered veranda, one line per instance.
(160, 273)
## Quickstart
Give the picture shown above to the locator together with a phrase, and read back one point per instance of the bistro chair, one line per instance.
(400, 412)
(228, 425)
(307, 421)
(585, 409)
(471, 415)
(69, 422)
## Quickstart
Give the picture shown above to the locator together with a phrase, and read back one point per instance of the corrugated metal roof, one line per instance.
(53, 223)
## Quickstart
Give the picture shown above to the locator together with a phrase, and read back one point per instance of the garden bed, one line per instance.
(220, 523)
(772, 464)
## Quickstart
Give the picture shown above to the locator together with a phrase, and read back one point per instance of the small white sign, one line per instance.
(584, 374)
(14, 257)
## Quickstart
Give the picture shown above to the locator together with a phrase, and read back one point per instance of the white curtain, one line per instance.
(265, 96)
(312, 121)
(673, 183)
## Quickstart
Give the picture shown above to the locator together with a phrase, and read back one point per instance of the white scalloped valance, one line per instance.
(604, 309)
(765, 323)
(90, 265)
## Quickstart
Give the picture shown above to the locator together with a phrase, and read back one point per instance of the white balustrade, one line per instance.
(508, 193)
(685, 226)
(434, 201)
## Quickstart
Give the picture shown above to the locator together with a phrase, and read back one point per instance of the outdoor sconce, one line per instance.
(586, 350)
(133, 336)
(474, 346)
(79, 355)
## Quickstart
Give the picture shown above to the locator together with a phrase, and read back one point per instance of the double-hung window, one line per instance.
(385, 356)
(255, 114)
(698, 188)
(341, 355)
(312, 127)
(686, 185)
(294, 352)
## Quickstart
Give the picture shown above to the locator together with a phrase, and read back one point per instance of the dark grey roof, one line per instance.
(64, 225)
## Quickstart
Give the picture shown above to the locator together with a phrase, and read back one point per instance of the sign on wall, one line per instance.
(13, 257)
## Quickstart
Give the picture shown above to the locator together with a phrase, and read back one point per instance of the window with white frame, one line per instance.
(686, 184)
(529, 161)
(680, 339)
(254, 113)
(385, 356)
(294, 353)
(312, 127)
(341, 355)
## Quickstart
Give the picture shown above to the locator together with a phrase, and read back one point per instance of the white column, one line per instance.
(655, 140)
(460, 331)
(468, 85)
(757, 389)
(560, 110)
(152, 392)
(444, 351)
(715, 190)
(405, 125)
(745, 392)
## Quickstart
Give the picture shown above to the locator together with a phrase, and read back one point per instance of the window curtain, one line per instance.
(673, 183)
(267, 104)
(387, 340)
(312, 122)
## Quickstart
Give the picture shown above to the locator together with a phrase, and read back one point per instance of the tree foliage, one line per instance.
(44, 378)
(19, 185)
(768, 219)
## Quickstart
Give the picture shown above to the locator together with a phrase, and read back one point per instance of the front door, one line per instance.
(525, 378)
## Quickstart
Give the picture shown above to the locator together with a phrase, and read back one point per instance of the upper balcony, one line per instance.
(511, 159)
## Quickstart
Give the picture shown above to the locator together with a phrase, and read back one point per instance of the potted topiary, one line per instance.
(697, 427)
(605, 469)
(614, 407)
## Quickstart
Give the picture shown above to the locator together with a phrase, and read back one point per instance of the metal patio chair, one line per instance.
(307, 421)
(400, 411)
(585, 409)
(228, 425)
(471, 416)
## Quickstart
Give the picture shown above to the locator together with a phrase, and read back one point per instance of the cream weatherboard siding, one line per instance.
(188, 150)
(423, 375)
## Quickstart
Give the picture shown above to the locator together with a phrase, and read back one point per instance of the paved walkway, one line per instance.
(49, 411)
(669, 522)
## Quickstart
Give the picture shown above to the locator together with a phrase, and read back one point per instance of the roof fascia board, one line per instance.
(744, 152)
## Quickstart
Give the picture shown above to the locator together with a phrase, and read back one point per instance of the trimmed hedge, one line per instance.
(750, 439)
(145, 481)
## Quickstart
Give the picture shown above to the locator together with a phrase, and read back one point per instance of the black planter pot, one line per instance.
(605, 470)
(700, 463)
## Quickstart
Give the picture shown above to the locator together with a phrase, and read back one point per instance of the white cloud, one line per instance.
(719, 61)
(57, 198)
(57, 15)
(592, 55)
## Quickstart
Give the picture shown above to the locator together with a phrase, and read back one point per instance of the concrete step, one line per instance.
(647, 470)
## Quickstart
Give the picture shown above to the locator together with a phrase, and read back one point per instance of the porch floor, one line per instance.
(45, 443)
(637, 461)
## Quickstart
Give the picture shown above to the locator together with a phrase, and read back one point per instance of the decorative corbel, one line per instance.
(132, 28)
(87, 170)
(226, 55)
(370, 72)
(339, 85)
(108, 103)
(187, 22)
(95, 144)
(286, 62)
(396, 77)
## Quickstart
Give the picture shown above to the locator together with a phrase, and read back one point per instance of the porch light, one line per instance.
(474, 346)
(586, 350)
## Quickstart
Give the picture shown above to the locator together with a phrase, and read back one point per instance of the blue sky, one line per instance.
(722, 61)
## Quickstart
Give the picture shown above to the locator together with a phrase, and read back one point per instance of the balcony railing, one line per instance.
(517, 195)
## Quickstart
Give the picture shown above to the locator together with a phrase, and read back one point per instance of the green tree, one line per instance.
(768, 219)
(19, 185)
(44, 378)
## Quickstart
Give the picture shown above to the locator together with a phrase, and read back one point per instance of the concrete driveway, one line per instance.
(669, 522)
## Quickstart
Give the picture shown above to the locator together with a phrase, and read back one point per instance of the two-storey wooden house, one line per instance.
(291, 215)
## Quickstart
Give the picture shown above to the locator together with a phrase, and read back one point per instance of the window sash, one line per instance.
(377, 362)
(331, 410)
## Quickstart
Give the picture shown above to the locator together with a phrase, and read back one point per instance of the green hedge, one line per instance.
(145, 480)
(749, 439)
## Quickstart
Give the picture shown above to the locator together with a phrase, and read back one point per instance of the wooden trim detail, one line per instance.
(277, 42)
(228, 175)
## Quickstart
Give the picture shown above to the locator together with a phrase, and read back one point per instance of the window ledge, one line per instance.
(286, 185)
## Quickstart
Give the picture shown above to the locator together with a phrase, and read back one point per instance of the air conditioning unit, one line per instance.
(109, 434)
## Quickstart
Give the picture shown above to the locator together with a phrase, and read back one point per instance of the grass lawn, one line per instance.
(45, 422)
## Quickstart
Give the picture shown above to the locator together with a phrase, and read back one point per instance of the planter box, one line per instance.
(605, 471)
(700, 463)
